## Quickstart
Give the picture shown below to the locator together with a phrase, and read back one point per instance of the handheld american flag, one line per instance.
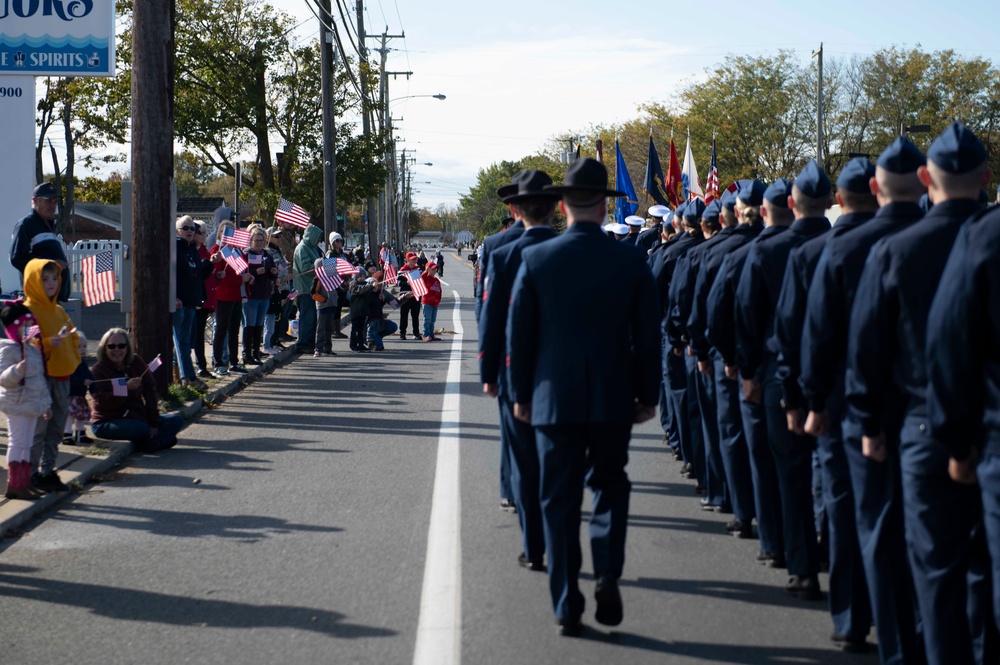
(390, 274)
(289, 213)
(98, 278)
(344, 267)
(234, 237)
(33, 331)
(154, 364)
(293, 294)
(234, 259)
(328, 276)
(119, 387)
(255, 259)
(417, 285)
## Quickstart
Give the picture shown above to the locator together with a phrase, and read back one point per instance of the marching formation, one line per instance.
(833, 387)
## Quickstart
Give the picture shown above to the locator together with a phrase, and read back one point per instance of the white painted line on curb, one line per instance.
(439, 631)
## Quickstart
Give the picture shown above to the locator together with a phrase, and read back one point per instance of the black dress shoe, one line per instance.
(734, 525)
(764, 557)
(726, 509)
(531, 564)
(699, 489)
(778, 561)
(569, 627)
(705, 505)
(850, 643)
(506, 503)
(745, 530)
(609, 602)
(805, 587)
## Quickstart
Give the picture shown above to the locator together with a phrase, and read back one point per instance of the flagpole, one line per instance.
(645, 192)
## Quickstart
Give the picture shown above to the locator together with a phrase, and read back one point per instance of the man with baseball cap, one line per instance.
(35, 235)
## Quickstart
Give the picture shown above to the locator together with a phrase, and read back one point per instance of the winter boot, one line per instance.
(17, 485)
(258, 339)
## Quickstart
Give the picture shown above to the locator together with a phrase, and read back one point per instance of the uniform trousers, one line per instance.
(733, 445)
(850, 608)
(941, 519)
(767, 498)
(666, 404)
(522, 453)
(675, 380)
(793, 462)
(988, 472)
(878, 503)
(716, 492)
(595, 453)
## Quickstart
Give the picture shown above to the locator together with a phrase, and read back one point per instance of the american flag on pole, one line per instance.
(293, 294)
(416, 279)
(289, 213)
(255, 259)
(98, 278)
(234, 237)
(328, 276)
(119, 387)
(390, 273)
(154, 364)
(712, 180)
(344, 267)
(234, 259)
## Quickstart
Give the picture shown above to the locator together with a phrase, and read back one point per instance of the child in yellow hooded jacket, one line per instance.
(60, 350)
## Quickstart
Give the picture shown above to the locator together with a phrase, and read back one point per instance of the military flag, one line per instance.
(673, 181)
(654, 174)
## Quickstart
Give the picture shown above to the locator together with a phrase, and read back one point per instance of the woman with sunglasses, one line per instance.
(262, 272)
(191, 273)
(128, 412)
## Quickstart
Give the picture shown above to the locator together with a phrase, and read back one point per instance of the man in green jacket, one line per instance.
(306, 253)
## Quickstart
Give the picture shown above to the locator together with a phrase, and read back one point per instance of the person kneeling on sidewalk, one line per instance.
(134, 416)
(378, 325)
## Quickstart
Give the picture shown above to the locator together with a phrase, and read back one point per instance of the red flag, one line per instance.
(98, 278)
(673, 183)
(289, 213)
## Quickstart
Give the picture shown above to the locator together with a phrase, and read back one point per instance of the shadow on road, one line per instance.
(747, 592)
(145, 606)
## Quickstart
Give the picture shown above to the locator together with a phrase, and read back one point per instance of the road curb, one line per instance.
(80, 468)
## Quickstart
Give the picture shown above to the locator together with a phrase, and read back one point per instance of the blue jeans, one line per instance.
(307, 323)
(430, 318)
(140, 433)
(183, 330)
(379, 327)
(269, 322)
(254, 312)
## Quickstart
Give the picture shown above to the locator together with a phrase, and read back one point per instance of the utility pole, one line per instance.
(327, 63)
(366, 122)
(819, 105)
(152, 169)
(388, 196)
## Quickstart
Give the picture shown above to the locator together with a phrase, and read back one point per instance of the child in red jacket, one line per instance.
(430, 301)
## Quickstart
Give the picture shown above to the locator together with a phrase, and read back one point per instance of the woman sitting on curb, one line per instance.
(136, 416)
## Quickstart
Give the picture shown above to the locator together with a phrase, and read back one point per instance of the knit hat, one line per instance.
(13, 316)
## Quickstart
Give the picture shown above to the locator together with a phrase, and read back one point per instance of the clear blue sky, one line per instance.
(519, 73)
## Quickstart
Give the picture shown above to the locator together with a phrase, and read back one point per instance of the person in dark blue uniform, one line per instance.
(491, 243)
(733, 450)
(648, 238)
(671, 436)
(848, 595)
(582, 376)
(765, 213)
(536, 208)
(875, 489)
(887, 362)
(963, 394)
(756, 303)
(678, 338)
(680, 389)
(633, 225)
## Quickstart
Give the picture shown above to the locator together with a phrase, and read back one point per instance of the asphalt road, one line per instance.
(291, 525)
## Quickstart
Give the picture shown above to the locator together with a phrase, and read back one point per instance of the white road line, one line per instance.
(439, 631)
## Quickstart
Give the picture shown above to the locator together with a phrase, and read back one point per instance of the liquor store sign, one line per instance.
(57, 37)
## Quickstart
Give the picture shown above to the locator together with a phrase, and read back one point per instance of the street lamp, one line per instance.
(437, 96)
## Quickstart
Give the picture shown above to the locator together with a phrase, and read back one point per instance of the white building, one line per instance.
(464, 237)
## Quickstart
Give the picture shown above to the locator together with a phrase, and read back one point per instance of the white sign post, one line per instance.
(17, 165)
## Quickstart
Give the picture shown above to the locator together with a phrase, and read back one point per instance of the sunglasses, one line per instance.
(120, 347)
(188, 228)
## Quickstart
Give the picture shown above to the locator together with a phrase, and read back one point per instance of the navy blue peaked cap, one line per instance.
(779, 191)
(855, 176)
(813, 181)
(957, 150)
(901, 157)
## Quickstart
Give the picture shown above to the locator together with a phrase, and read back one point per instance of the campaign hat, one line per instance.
(529, 184)
(586, 175)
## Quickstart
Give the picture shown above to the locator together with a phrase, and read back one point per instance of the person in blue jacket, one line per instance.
(756, 304)
(536, 208)
(35, 236)
(887, 366)
(582, 376)
(874, 486)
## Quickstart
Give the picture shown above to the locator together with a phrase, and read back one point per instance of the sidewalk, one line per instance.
(77, 465)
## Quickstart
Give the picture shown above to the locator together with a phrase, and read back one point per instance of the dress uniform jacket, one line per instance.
(711, 262)
(560, 358)
(491, 243)
(663, 269)
(649, 237)
(683, 285)
(760, 284)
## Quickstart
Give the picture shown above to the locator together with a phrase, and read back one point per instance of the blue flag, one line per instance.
(654, 176)
(627, 205)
